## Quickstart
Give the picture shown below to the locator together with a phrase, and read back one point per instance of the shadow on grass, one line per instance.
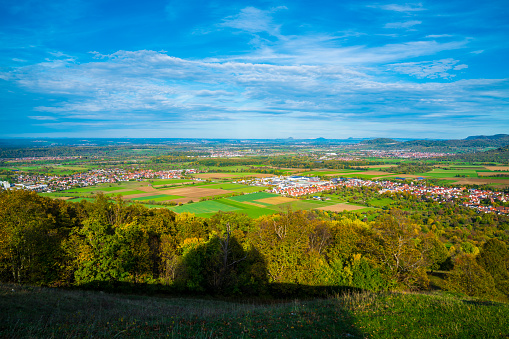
(51, 312)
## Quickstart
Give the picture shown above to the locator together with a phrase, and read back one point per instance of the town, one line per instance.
(296, 186)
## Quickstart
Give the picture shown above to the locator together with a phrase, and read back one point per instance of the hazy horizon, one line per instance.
(253, 70)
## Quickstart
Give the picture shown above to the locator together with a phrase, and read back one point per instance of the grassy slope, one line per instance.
(42, 312)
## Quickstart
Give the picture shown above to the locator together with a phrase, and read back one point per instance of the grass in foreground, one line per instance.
(32, 312)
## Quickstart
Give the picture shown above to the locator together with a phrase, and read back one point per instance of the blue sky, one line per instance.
(257, 69)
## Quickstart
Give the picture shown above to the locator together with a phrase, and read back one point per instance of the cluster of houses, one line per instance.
(295, 186)
(403, 154)
(43, 183)
(32, 159)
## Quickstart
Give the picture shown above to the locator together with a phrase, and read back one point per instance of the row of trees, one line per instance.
(111, 244)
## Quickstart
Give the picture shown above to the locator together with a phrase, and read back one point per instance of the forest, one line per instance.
(109, 244)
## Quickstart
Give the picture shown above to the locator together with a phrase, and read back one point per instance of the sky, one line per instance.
(254, 69)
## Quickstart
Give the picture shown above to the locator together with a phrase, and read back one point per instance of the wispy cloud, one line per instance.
(261, 76)
(253, 20)
(404, 24)
(429, 69)
(406, 8)
(147, 85)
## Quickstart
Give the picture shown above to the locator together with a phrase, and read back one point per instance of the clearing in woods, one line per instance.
(341, 208)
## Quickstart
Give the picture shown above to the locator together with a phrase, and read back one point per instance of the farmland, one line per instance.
(298, 224)
(206, 193)
(206, 186)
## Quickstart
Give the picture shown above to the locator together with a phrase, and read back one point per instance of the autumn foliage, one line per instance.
(110, 244)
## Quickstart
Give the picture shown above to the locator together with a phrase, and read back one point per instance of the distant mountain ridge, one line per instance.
(488, 137)
(380, 141)
(497, 140)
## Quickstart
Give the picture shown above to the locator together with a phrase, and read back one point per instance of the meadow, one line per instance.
(37, 312)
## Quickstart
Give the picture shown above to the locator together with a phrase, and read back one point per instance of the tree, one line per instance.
(398, 249)
(31, 230)
(471, 278)
(494, 258)
(222, 266)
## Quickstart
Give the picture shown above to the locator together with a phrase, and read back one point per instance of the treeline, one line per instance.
(460, 228)
(279, 161)
(501, 140)
(91, 151)
(410, 168)
(499, 155)
(109, 244)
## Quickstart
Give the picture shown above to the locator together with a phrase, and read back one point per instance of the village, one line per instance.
(296, 186)
(43, 183)
(290, 186)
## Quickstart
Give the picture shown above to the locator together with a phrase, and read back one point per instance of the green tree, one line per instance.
(31, 230)
(494, 258)
(471, 278)
(398, 249)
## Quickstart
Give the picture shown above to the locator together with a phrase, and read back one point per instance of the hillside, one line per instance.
(472, 142)
(33, 312)
(488, 137)
(499, 155)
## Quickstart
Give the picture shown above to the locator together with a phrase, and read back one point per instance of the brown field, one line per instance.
(148, 189)
(341, 208)
(65, 198)
(194, 192)
(498, 168)
(477, 181)
(276, 200)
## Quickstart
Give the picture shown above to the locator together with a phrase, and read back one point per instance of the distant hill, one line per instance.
(488, 137)
(380, 141)
(499, 155)
(499, 140)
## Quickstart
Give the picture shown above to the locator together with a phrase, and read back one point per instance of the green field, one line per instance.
(210, 206)
(359, 175)
(95, 189)
(254, 196)
(328, 173)
(380, 202)
(127, 193)
(442, 173)
(236, 187)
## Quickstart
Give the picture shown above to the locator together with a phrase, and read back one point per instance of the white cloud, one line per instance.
(436, 36)
(405, 24)
(403, 8)
(140, 86)
(42, 117)
(253, 20)
(429, 69)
